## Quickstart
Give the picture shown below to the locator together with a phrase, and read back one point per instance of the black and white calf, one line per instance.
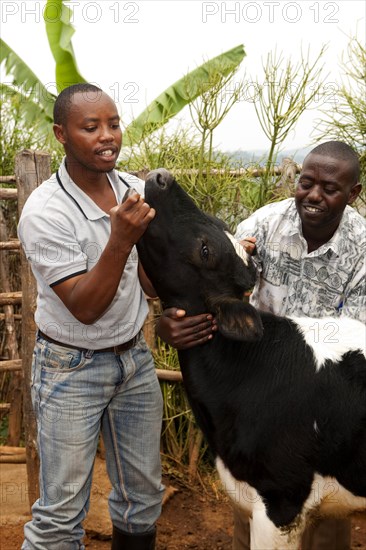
(281, 401)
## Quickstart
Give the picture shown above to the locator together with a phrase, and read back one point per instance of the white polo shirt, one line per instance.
(63, 233)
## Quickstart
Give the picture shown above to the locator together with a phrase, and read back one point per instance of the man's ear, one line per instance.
(59, 133)
(355, 191)
(238, 320)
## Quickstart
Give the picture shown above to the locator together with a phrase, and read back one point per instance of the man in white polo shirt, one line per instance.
(92, 369)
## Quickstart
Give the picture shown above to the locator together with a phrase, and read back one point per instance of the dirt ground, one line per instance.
(193, 518)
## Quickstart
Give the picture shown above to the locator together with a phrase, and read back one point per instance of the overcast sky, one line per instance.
(134, 50)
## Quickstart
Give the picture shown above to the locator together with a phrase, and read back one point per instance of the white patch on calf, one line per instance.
(332, 337)
(241, 493)
(264, 535)
(239, 249)
(327, 498)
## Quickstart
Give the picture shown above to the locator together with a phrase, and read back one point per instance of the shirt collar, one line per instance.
(336, 243)
(85, 204)
(292, 226)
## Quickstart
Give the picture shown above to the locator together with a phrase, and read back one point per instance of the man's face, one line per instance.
(326, 185)
(91, 135)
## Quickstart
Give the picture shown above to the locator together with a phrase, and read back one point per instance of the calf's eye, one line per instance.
(204, 252)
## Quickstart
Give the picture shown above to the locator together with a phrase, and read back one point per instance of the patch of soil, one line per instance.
(193, 518)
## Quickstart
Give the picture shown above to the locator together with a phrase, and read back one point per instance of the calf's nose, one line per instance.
(160, 176)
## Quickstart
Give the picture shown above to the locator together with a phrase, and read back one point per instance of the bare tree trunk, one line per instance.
(194, 455)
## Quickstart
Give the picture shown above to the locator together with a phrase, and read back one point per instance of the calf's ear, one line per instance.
(238, 320)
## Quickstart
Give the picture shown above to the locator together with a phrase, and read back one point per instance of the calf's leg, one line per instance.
(241, 535)
(328, 533)
(264, 535)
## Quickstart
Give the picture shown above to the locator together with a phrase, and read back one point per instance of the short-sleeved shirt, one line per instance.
(326, 282)
(63, 233)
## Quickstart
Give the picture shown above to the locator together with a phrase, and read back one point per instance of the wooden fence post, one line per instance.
(31, 168)
(289, 169)
(11, 347)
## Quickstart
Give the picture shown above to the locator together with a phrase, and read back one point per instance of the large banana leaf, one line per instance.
(165, 106)
(34, 114)
(184, 91)
(35, 101)
(59, 30)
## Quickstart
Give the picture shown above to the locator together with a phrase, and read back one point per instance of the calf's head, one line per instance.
(193, 261)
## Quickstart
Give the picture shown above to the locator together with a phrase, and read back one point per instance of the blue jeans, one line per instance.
(76, 394)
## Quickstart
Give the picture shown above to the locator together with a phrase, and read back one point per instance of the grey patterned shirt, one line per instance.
(329, 281)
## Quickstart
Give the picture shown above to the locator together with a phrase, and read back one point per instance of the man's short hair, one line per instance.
(64, 100)
(340, 150)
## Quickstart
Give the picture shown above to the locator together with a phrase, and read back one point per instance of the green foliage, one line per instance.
(38, 102)
(23, 77)
(176, 150)
(166, 105)
(14, 136)
(211, 182)
(4, 424)
(209, 176)
(287, 90)
(346, 119)
(219, 192)
(59, 30)
(34, 101)
(182, 93)
(179, 429)
(210, 108)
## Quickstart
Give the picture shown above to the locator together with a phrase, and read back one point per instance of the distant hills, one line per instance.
(259, 155)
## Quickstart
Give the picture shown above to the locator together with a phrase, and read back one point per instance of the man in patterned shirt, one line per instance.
(310, 250)
(310, 253)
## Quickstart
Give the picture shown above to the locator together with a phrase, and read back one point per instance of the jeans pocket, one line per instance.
(141, 345)
(60, 359)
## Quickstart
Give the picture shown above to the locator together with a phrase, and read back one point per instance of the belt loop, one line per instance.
(89, 353)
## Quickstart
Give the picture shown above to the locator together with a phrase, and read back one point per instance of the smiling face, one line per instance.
(91, 134)
(326, 185)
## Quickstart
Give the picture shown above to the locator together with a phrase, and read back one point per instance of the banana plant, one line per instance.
(57, 17)
(166, 105)
(181, 93)
(38, 107)
(34, 100)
